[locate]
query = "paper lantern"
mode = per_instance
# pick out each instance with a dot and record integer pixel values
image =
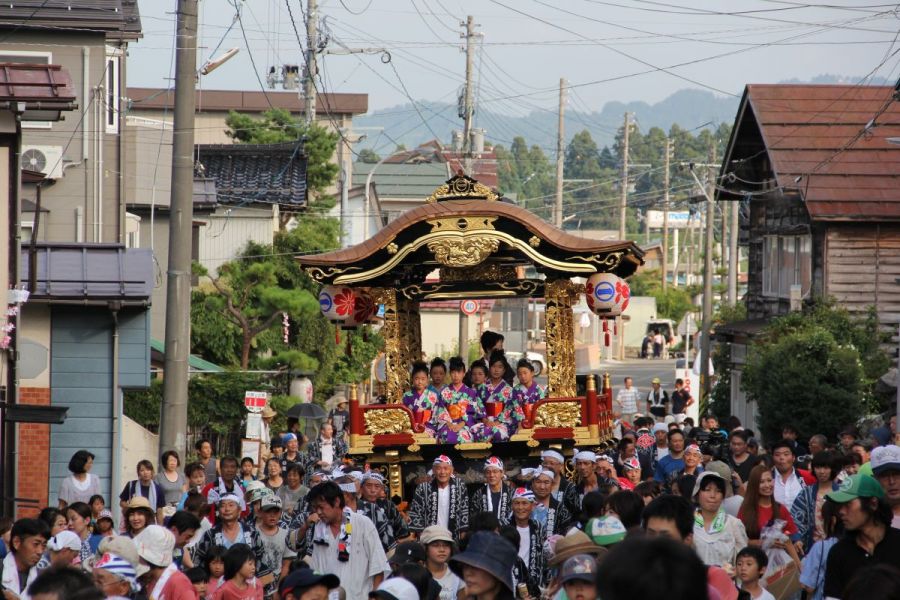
(607, 295)
(364, 309)
(337, 303)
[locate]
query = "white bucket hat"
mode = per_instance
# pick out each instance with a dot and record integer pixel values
(155, 545)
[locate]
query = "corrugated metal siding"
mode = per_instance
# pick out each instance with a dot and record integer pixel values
(862, 267)
(134, 349)
(81, 378)
(225, 235)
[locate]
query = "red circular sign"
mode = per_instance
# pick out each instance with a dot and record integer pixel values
(469, 307)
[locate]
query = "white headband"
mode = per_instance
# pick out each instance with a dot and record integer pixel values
(553, 454)
(586, 455)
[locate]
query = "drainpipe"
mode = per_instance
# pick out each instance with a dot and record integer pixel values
(120, 119)
(116, 457)
(101, 136)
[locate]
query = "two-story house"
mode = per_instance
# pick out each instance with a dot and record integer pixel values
(83, 336)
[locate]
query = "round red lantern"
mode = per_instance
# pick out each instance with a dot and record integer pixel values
(607, 295)
(337, 303)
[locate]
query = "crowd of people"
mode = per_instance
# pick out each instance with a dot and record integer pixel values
(674, 510)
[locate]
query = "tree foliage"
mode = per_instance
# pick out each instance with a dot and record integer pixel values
(367, 155)
(673, 303)
(815, 369)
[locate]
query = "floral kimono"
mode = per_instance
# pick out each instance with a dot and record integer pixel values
(458, 407)
(417, 402)
(524, 396)
(499, 429)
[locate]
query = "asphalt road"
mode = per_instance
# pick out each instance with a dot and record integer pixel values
(642, 371)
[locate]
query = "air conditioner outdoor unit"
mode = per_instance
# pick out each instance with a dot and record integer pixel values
(44, 159)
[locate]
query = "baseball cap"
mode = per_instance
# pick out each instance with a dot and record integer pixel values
(64, 539)
(581, 567)
(856, 486)
(435, 533)
(605, 531)
(408, 552)
(300, 579)
(269, 502)
(395, 588)
(655, 380)
(885, 458)
(105, 514)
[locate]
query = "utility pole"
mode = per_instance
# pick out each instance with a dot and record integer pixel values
(708, 276)
(312, 42)
(173, 411)
(733, 257)
(560, 154)
(469, 102)
(665, 245)
(624, 183)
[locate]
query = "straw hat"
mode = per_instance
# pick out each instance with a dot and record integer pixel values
(573, 544)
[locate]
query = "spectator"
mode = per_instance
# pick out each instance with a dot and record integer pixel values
(788, 479)
(486, 567)
(63, 548)
(247, 466)
(170, 479)
(626, 404)
(115, 576)
(293, 489)
(137, 516)
(304, 584)
(277, 556)
(240, 576)
(717, 535)
(210, 463)
(274, 477)
(145, 487)
(751, 566)
(886, 468)
(81, 484)
(79, 516)
(741, 461)
(674, 460)
(812, 573)
(28, 541)
(438, 542)
(63, 583)
(154, 547)
(652, 568)
(760, 510)
(807, 507)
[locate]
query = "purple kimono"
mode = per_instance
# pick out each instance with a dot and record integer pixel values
(498, 429)
(417, 402)
(458, 407)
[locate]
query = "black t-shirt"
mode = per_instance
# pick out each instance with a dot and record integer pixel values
(745, 467)
(679, 400)
(847, 557)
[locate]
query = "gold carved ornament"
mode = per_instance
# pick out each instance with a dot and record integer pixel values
(388, 420)
(560, 333)
(558, 414)
(461, 187)
(463, 252)
(489, 272)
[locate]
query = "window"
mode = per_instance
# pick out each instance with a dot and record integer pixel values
(787, 261)
(19, 57)
(111, 90)
(26, 230)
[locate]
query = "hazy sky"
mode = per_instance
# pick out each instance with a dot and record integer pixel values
(636, 46)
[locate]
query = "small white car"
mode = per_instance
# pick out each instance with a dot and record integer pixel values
(536, 359)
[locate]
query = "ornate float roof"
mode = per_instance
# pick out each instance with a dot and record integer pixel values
(472, 235)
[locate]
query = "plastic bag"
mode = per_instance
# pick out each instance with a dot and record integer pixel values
(778, 558)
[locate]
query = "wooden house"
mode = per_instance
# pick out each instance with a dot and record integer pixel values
(817, 171)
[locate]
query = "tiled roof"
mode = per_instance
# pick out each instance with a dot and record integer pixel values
(811, 135)
(115, 18)
(413, 181)
(256, 173)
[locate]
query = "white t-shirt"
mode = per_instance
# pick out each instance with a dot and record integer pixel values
(450, 585)
(443, 513)
(661, 453)
(764, 594)
(524, 542)
(327, 453)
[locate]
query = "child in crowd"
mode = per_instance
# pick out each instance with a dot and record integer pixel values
(215, 568)
(751, 564)
(196, 480)
(105, 527)
(199, 579)
(438, 542)
(247, 466)
(240, 576)
(98, 505)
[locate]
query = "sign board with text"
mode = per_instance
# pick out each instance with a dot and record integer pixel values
(469, 307)
(677, 220)
(256, 401)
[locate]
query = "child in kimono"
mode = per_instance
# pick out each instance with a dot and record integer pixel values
(421, 397)
(527, 392)
(499, 428)
(458, 412)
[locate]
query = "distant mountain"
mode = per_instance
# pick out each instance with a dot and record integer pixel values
(689, 108)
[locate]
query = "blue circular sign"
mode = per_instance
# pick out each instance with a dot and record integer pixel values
(604, 291)
(325, 302)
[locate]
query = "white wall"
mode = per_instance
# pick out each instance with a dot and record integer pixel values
(229, 229)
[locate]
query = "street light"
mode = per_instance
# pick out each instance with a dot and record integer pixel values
(416, 152)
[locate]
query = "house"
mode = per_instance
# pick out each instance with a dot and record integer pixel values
(83, 335)
(227, 215)
(820, 181)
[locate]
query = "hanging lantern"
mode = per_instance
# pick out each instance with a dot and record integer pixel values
(337, 303)
(607, 295)
(364, 309)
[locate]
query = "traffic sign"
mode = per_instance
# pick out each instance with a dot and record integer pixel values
(468, 307)
(255, 401)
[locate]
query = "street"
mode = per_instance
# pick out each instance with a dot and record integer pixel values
(642, 371)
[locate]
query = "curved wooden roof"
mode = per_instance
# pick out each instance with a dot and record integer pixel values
(409, 246)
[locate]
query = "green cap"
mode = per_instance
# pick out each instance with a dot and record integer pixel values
(856, 486)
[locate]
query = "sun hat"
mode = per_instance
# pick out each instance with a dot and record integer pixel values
(885, 458)
(435, 533)
(303, 578)
(574, 543)
(606, 530)
(270, 501)
(490, 552)
(581, 567)
(553, 454)
(124, 547)
(698, 485)
(137, 502)
(724, 471)
(268, 412)
(632, 464)
(522, 493)
(155, 545)
(856, 486)
(493, 463)
(119, 567)
(64, 539)
(408, 552)
(395, 588)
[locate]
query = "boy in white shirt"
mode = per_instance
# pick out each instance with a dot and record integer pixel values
(751, 565)
(438, 542)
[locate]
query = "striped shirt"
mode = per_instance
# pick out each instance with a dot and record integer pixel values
(627, 400)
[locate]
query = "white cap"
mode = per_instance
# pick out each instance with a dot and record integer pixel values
(64, 539)
(399, 588)
(155, 545)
